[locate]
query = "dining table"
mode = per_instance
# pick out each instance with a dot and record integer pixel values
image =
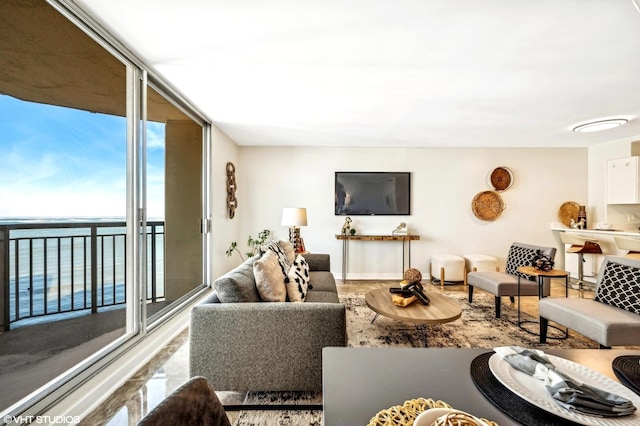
(360, 382)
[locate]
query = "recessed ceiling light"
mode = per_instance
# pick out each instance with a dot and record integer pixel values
(598, 125)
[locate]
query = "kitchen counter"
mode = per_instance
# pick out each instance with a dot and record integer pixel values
(592, 262)
(612, 232)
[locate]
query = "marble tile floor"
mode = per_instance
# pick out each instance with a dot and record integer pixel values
(170, 368)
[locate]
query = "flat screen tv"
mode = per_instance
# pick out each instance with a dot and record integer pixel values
(372, 193)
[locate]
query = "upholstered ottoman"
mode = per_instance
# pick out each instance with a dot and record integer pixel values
(449, 267)
(478, 263)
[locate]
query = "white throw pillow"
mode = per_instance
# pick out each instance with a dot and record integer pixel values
(269, 278)
(298, 280)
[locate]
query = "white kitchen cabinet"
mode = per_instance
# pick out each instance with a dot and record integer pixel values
(623, 181)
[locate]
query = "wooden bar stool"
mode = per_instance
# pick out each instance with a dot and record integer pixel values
(631, 245)
(580, 245)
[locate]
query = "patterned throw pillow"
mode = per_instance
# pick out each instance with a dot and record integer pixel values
(288, 249)
(520, 256)
(281, 255)
(269, 279)
(620, 287)
(298, 280)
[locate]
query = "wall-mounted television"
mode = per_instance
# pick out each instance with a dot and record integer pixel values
(372, 193)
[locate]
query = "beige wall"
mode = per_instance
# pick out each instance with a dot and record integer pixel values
(444, 182)
(223, 229)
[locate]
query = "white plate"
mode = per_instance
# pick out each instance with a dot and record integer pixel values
(427, 417)
(533, 390)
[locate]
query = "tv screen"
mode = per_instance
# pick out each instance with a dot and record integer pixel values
(372, 193)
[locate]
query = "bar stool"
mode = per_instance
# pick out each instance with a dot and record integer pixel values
(580, 246)
(631, 245)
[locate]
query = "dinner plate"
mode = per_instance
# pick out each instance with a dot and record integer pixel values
(426, 418)
(533, 390)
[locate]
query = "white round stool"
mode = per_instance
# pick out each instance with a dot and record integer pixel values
(449, 267)
(478, 262)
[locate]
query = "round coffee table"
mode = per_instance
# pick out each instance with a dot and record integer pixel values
(442, 309)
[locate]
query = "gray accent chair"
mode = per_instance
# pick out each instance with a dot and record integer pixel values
(506, 283)
(604, 323)
(266, 346)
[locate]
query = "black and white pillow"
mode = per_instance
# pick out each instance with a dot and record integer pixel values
(620, 287)
(520, 256)
(281, 255)
(298, 284)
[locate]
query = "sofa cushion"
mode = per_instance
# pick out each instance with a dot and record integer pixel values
(298, 280)
(269, 278)
(314, 296)
(620, 287)
(281, 255)
(239, 284)
(520, 256)
(288, 249)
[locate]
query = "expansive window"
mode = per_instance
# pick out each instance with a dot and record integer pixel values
(95, 209)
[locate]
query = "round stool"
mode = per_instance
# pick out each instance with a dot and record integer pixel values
(450, 267)
(580, 246)
(479, 262)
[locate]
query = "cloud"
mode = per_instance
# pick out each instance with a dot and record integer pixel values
(60, 162)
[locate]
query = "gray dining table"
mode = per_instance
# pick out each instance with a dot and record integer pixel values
(359, 382)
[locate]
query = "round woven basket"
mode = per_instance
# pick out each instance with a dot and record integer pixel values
(487, 205)
(567, 211)
(501, 178)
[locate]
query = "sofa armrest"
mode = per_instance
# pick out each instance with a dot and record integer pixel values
(264, 346)
(318, 261)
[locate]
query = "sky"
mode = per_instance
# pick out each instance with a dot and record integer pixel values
(62, 162)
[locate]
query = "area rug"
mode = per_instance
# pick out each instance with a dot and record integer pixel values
(476, 328)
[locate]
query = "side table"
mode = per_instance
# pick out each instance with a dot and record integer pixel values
(540, 276)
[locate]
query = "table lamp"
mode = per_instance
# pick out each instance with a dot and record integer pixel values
(294, 217)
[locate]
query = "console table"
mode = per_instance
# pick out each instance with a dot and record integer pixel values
(405, 239)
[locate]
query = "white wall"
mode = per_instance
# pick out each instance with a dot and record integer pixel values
(444, 182)
(224, 230)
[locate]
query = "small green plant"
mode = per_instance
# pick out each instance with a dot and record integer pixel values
(253, 244)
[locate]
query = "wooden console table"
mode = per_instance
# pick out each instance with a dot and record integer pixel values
(404, 238)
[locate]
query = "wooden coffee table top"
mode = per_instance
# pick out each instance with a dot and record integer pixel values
(442, 309)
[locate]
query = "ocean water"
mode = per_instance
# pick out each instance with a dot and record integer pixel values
(50, 268)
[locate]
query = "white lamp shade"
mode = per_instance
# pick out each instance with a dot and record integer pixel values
(294, 216)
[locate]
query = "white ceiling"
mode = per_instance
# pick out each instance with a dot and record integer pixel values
(408, 73)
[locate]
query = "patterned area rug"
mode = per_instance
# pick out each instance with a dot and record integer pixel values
(477, 328)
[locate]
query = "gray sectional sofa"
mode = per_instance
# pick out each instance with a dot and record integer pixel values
(240, 343)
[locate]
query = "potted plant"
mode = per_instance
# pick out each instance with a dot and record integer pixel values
(252, 243)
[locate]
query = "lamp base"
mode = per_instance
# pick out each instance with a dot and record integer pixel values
(294, 238)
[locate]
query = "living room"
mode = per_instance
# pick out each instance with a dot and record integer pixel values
(445, 178)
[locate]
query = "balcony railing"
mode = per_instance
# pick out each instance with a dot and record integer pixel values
(56, 268)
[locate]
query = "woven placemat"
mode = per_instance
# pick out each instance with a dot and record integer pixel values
(508, 402)
(627, 370)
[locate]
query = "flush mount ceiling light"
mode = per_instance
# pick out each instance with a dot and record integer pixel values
(598, 125)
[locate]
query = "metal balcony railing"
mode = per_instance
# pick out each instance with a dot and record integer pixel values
(61, 267)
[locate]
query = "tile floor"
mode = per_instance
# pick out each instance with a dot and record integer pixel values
(170, 369)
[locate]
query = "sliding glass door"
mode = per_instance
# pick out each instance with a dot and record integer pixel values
(100, 204)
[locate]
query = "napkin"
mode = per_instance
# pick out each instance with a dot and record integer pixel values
(565, 390)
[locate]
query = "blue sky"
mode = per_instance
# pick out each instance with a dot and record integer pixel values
(62, 162)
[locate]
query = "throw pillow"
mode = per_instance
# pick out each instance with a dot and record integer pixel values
(284, 263)
(269, 278)
(520, 256)
(288, 250)
(620, 287)
(298, 280)
(239, 284)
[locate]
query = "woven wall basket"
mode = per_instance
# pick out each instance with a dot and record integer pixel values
(487, 205)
